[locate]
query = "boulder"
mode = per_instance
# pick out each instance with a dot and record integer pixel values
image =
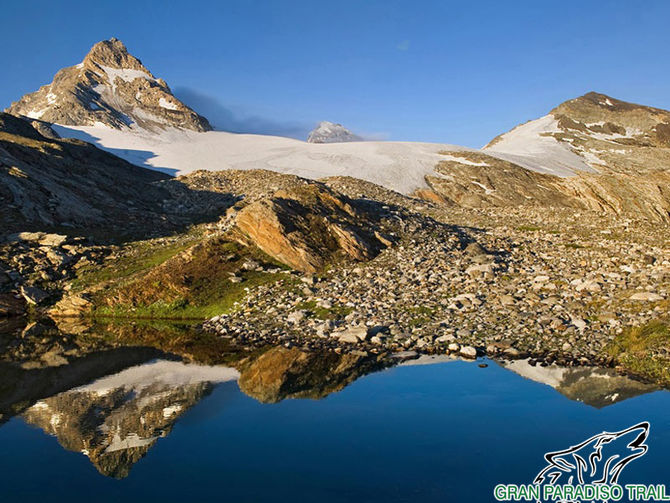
(295, 316)
(53, 240)
(476, 271)
(308, 226)
(468, 352)
(474, 249)
(353, 335)
(71, 306)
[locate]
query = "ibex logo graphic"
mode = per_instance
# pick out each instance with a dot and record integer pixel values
(597, 460)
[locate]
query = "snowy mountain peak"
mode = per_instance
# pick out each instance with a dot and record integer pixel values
(112, 88)
(330, 132)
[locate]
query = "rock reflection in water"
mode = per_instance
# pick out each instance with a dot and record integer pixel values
(282, 373)
(117, 419)
(594, 386)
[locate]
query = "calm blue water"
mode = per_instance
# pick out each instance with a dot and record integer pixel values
(435, 433)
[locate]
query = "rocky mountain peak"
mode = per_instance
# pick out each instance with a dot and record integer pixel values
(330, 132)
(113, 53)
(591, 133)
(111, 88)
(605, 119)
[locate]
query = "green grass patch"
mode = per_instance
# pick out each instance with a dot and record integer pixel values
(528, 228)
(645, 351)
(212, 300)
(336, 312)
(420, 315)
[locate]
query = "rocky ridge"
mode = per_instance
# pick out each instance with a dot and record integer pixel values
(310, 226)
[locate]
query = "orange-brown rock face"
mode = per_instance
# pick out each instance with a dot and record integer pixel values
(306, 227)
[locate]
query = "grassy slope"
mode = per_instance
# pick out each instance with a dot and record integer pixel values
(185, 279)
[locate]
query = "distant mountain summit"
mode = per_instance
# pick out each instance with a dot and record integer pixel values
(109, 87)
(329, 132)
(595, 133)
(592, 152)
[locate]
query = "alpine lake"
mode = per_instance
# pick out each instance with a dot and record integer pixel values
(144, 412)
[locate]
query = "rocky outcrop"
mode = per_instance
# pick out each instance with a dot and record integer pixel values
(109, 87)
(72, 306)
(477, 180)
(309, 226)
(330, 132)
(33, 263)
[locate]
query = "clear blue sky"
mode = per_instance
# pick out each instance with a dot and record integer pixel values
(455, 72)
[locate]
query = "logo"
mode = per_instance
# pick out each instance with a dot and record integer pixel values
(597, 460)
(589, 471)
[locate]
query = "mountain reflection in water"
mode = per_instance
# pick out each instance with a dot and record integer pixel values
(114, 404)
(117, 419)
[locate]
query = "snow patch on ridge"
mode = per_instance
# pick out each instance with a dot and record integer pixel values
(166, 104)
(125, 74)
(531, 146)
(131, 441)
(462, 160)
(36, 114)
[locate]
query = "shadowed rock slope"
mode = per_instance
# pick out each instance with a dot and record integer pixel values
(51, 183)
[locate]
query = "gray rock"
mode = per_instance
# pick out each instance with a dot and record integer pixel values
(295, 316)
(480, 270)
(474, 249)
(53, 240)
(353, 334)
